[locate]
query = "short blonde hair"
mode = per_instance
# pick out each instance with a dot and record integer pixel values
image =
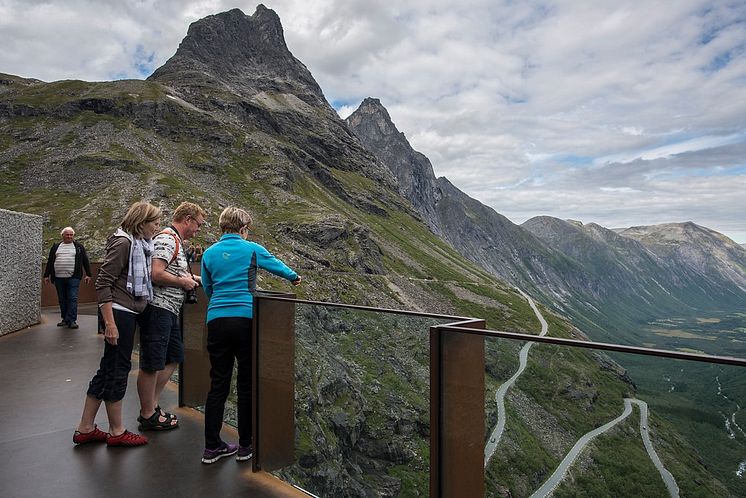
(138, 215)
(187, 209)
(233, 219)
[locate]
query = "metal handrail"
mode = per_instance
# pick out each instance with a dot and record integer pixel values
(516, 336)
(370, 308)
(620, 348)
(448, 350)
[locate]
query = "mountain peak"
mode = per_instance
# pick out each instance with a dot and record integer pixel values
(374, 117)
(372, 104)
(414, 173)
(233, 35)
(242, 54)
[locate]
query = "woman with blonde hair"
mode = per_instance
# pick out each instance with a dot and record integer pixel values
(123, 290)
(229, 277)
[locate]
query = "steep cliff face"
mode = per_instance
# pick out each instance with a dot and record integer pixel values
(475, 230)
(239, 54)
(238, 67)
(414, 173)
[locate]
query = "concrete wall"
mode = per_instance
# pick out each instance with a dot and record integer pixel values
(20, 270)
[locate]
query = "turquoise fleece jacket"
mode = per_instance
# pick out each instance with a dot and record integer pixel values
(229, 275)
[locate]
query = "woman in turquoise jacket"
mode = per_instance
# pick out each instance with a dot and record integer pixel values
(229, 277)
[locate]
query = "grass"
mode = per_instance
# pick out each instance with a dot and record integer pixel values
(61, 92)
(686, 407)
(38, 200)
(615, 457)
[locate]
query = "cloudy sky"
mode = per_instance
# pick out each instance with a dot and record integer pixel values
(619, 113)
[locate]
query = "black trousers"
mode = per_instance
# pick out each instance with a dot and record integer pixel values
(110, 381)
(228, 338)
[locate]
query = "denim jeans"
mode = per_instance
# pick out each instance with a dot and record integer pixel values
(67, 295)
(228, 338)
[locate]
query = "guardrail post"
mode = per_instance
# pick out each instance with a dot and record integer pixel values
(194, 373)
(273, 382)
(457, 406)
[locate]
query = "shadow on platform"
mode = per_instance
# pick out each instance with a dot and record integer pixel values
(44, 374)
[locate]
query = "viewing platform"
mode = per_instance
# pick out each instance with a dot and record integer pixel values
(45, 372)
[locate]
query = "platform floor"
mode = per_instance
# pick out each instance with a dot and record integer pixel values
(44, 373)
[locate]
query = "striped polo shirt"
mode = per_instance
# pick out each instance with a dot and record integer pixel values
(64, 260)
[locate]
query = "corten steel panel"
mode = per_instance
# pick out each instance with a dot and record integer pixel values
(87, 293)
(274, 383)
(457, 413)
(194, 373)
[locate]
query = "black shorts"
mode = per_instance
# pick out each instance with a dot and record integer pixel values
(160, 341)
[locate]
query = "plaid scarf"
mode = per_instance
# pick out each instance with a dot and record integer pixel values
(138, 273)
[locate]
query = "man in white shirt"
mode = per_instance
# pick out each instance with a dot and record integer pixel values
(65, 265)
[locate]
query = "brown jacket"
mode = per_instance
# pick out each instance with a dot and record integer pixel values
(111, 283)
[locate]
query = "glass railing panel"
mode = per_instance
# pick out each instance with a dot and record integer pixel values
(580, 422)
(194, 374)
(361, 403)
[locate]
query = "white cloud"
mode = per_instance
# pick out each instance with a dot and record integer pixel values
(536, 107)
(693, 145)
(346, 110)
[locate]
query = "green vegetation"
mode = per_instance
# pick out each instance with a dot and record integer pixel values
(614, 458)
(61, 92)
(38, 200)
(684, 403)
(516, 466)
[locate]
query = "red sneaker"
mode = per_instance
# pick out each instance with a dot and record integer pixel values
(95, 436)
(126, 438)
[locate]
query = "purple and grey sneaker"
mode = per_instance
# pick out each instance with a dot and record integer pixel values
(245, 453)
(212, 456)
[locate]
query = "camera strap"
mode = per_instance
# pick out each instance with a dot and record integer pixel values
(173, 232)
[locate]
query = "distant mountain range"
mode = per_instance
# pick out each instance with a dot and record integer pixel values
(609, 282)
(234, 118)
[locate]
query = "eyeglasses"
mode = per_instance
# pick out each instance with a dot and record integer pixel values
(199, 224)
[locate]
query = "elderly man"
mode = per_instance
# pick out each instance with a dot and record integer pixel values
(65, 265)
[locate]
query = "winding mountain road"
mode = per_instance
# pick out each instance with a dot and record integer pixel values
(559, 473)
(668, 479)
(572, 455)
(561, 470)
(497, 432)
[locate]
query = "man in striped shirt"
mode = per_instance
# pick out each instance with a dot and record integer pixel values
(161, 343)
(65, 265)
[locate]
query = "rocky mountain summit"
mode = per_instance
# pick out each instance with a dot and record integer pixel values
(238, 66)
(475, 230)
(414, 173)
(241, 55)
